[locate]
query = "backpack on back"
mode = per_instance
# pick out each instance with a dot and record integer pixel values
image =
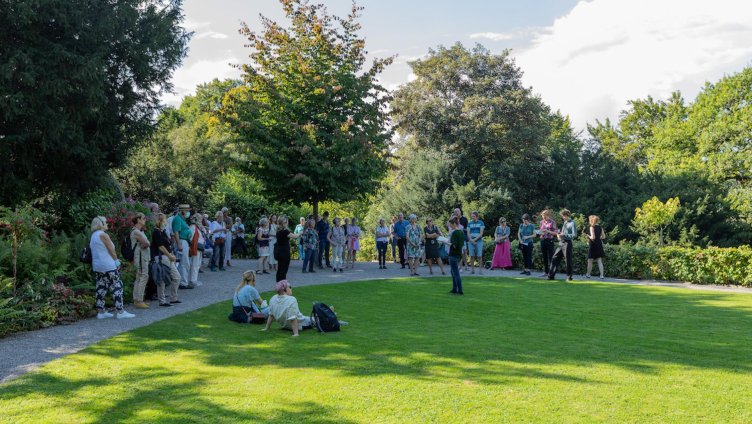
(126, 249)
(324, 319)
(86, 255)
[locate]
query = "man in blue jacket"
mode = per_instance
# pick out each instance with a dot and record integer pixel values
(400, 234)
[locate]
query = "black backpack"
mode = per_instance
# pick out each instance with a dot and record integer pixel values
(324, 319)
(126, 249)
(86, 255)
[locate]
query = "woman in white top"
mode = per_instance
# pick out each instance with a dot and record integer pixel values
(382, 234)
(262, 245)
(336, 237)
(272, 241)
(283, 307)
(194, 253)
(105, 264)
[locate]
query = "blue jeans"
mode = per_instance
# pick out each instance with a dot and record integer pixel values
(475, 250)
(301, 251)
(218, 253)
(381, 248)
(310, 258)
(454, 267)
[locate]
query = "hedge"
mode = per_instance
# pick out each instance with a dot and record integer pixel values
(712, 265)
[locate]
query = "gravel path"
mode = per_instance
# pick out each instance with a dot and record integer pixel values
(25, 352)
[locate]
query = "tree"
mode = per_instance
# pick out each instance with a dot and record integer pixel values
(655, 215)
(471, 106)
(185, 156)
(80, 82)
(311, 124)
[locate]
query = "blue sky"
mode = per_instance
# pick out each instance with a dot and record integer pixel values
(585, 58)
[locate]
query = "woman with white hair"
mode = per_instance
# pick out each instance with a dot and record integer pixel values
(298, 231)
(105, 263)
(337, 240)
(262, 242)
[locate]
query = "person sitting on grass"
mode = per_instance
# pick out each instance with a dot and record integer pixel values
(283, 307)
(247, 300)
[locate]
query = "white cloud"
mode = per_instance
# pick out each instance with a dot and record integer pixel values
(494, 36)
(211, 34)
(192, 25)
(510, 35)
(190, 75)
(590, 62)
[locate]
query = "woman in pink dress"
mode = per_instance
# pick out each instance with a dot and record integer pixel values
(353, 236)
(502, 258)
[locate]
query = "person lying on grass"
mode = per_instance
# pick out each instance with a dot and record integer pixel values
(247, 300)
(283, 307)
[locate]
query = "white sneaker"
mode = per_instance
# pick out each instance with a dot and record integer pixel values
(197, 283)
(103, 315)
(125, 314)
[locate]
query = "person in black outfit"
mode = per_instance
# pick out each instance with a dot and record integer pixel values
(282, 248)
(595, 245)
(322, 227)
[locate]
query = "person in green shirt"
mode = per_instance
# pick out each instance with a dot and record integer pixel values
(457, 241)
(181, 234)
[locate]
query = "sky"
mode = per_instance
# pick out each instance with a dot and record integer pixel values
(586, 59)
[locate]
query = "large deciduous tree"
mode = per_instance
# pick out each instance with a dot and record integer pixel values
(311, 119)
(471, 106)
(80, 82)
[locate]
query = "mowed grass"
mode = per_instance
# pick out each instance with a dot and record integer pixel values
(510, 350)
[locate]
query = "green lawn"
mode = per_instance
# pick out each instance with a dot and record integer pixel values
(508, 351)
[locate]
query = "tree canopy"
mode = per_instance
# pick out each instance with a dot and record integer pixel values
(80, 82)
(310, 119)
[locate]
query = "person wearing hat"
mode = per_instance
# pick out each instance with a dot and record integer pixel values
(181, 235)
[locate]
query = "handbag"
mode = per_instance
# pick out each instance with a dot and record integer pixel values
(253, 316)
(159, 272)
(219, 241)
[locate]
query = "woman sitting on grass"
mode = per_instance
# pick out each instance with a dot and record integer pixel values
(247, 300)
(283, 307)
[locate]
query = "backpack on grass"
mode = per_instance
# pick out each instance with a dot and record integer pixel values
(324, 319)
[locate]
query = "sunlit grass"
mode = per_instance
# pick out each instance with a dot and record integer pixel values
(508, 351)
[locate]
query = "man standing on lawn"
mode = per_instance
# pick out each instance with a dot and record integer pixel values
(457, 242)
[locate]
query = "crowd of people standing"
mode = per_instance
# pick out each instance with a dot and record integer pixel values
(181, 240)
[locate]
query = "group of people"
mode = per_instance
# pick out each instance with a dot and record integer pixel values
(319, 239)
(177, 242)
(556, 245)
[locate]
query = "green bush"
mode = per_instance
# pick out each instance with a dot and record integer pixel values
(713, 265)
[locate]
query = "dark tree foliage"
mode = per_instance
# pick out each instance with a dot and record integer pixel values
(502, 145)
(311, 121)
(80, 82)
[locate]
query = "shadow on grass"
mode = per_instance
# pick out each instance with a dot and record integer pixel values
(502, 332)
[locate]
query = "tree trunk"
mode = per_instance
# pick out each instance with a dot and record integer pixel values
(316, 209)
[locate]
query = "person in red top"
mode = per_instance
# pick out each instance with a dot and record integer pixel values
(547, 230)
